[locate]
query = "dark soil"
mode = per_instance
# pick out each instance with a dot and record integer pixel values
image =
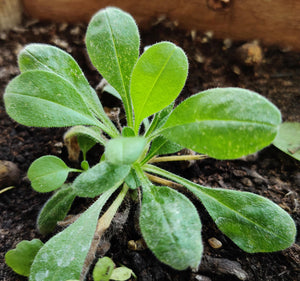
(213, 63)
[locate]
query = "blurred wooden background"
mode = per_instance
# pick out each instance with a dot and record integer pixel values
(271, 21)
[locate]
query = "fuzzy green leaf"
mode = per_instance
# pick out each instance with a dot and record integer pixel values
(65, 253)
(48, 173)
(124, 150)
(93, 133)
(43, 99)
(52, 59)
(224, 123)
(121, 273)
(103, 269)
(288, 139)
(55, 209)
(157, 79)
(100, 178)
(253, 222)
(171, 227)
(20, 259)
(113, 42)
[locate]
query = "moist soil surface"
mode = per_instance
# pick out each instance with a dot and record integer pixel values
(213, 63)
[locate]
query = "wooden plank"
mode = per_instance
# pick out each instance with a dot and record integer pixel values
(271, 21)
(10, 13)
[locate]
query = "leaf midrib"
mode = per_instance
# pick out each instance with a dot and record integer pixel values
(154, 84)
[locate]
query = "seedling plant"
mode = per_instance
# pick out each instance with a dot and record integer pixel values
(223, 123)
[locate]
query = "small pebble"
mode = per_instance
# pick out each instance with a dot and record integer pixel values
(250, 54)
(215, 243)
(9, 173)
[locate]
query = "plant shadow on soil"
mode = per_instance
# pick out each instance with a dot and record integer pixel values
(270, 173)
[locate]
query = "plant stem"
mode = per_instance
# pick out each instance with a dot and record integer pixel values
(6, 189)
(102, 225)
(163, 181)
(177, 158)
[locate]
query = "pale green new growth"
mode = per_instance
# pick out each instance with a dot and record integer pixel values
(224, 123)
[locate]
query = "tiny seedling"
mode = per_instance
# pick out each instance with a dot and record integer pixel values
(223, 123)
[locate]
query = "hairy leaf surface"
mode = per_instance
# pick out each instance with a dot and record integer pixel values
(288, 139)
(43, 99)
(253, 222)
(55, 209)
(65, 253)
(113, 42)
(157, 79)
(171, 227)
(48, 173)
(124, 150)
(52, 59)
(20, 259)
(100, 178)
(224, 123)
(94, 133)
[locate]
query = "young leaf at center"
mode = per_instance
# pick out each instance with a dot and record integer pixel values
(157, 79)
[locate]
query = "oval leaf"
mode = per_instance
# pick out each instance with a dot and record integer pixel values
(113, 42)
(55, 209)
(21, 258)
(63, 256)
(157, 79)
(100, 178)
(253, 222)
(52, 59)
(124, 150)
(48, 173)
(94, 133)
(171, 227)
(43, 99)
(288, 139)
(103, 269)
(224, 123)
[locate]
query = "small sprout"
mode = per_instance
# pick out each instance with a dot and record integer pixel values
(21, 258)
(224, 123)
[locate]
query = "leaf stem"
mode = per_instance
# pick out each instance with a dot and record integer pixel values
(163, 181)
(177, 158)
(102, 225)
(6, 189)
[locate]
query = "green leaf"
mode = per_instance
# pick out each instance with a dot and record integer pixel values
(21, 258)
(157, 79)
(48, 173)
(55, 209)
(121, 273)
(128, 132)
(224, 123)
(85, 143)
(65, 253)
(52, 59)
(132, 180)
(171, 227)
(111, 90)
(113, 42)
(124, 150)
(93, 133)
(43, 99)
(288, 139)
(100, 178)
(253, 222)
(103, 269)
